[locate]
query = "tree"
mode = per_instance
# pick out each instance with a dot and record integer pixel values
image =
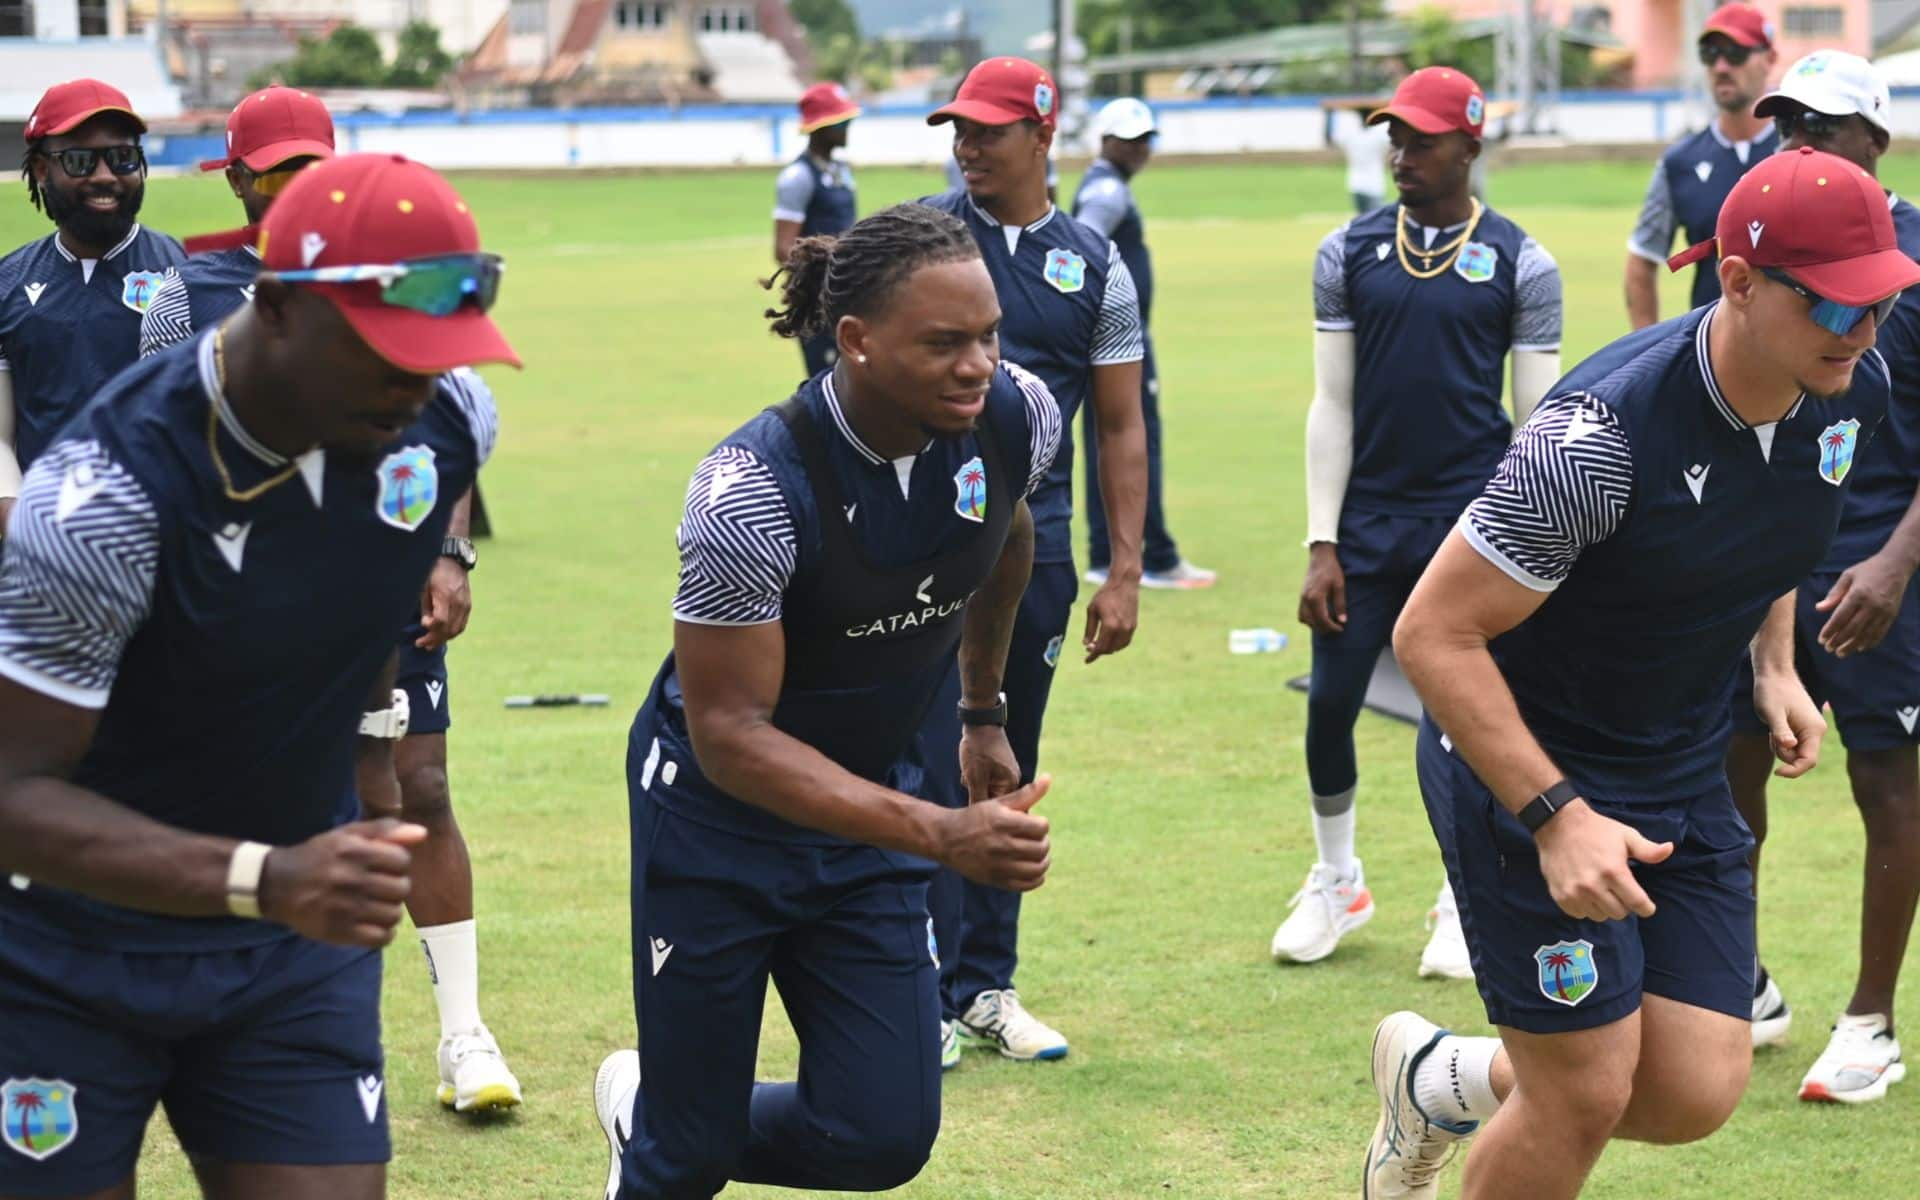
(824, 20)
(418, 60)
(347, 57)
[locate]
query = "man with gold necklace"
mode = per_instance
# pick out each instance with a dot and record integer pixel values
(1416, 308)
(195, 910)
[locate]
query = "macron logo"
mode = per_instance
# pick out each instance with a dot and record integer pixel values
(1579, 427)
(661, 948)
(723, 478)
(370, 1088)
(33, 291)
(1697, 480)
(1754, 230)
(1907, 717)
(79, 486)
(232, 543)
(1381, 251)
(1703, 170)
(311, 244)
(434, 688)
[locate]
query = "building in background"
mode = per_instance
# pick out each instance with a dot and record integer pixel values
(43, 42)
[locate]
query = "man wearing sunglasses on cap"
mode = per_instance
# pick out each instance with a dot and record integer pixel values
(71, 302)
(197, 909)
(1857, 623)
(271, 136)
(1576, 642)
(1693, 177)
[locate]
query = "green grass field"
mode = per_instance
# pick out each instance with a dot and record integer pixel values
(1179, 805)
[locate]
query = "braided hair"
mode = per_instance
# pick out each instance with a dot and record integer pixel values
(26, 171)
(853, 274)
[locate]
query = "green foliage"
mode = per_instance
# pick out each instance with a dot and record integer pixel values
(824, 20)
(1161, 23)
(860, 65)
(350, 57)
(1437, 42)
(418, 59)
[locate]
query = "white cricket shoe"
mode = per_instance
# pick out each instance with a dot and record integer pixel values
(1446, 952)
(1183, 576)
(1408, 1147)
(473, 1075)
(1325, 909)
(997, 1018)
(1860, 1062)
(949, 1045)
(1771, 1016)
(614, 1087)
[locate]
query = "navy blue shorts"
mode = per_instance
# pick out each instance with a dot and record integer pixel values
(422, 675)
(1382, 557)
(265, 1054)
(1040, 637)
(1540, 970)
(1875, 696)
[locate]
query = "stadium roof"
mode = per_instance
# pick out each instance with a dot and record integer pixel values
(1308, 43)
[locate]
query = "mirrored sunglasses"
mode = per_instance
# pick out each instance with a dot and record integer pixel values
(1832, 315)
(79, 162)
(437, 286)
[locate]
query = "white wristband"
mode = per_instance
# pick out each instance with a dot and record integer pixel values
(243, 878)
(389, 723)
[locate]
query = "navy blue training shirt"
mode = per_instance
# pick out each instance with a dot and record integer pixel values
(1690, 183)
(1664, 526)
(1428, 428)
(229, 647)
(819, 195)
(69, 325)
(1067, 306)
(197, 295)
(1105, 202)
(751, 536)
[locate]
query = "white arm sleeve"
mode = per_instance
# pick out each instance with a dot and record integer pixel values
(1329, 433)
(1534, 371)
(9, 461)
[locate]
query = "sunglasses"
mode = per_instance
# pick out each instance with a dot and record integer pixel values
(436, 286)
(1831, 315)
(1815, 126)
(1735, 54)
(272, 183)
(79, 162)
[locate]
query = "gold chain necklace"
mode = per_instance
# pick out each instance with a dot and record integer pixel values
(1404, 245)
(213, 426)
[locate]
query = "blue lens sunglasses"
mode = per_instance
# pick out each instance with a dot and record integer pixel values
(1831, 315)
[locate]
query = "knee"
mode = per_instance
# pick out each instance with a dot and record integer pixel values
(1588, 1113)
(887, 1158)
(424, 795)
(1691, 1116)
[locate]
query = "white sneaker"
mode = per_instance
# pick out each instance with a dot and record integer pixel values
(1771, 1016)
(1097, 576)
(1325, 909)
(1408, 1147)
(1446, 953)
(949, 1045)
(997, 1018)
(614, 1086)
(473, 1075)
(1183, 577)
(1860, 1062)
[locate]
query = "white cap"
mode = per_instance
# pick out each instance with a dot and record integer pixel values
(1125, 118)
(1835, 83)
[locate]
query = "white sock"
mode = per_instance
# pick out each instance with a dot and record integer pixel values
(1333, 832)
(453, 963)
(1455, 1081)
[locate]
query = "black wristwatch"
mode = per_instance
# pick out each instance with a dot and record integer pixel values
(1541, 808)
(460, 550)
(997, 715)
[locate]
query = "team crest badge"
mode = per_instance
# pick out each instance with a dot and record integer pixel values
(1476, 262)
(1065, 270)
(1567, 972)
(1042, 99)
(933, 945)
(1836, 450)
(1476, 108)
(137, 289)
(37, 1116)
(409, 485)
(970, 490)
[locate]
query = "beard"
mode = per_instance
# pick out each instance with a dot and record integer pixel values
(69, 210)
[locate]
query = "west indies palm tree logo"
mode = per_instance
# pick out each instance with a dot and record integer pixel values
(37, 1116)
(138, 287)
(409, 485)
(1567, 971)
(1836, 450)
(970, 490)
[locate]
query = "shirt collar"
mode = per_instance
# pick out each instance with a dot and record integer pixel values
(70, 256)
(210, 381)
(1719, 399)
(994, 221)
(1713, 127)
(845, 426)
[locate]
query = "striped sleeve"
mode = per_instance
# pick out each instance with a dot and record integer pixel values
(738, 543)
(792, 192)
(83, 548)
(475, 399)
(1043, 423)
(1536, 299)
(1119, 336)
(168, 320)
(1652, 237)
(1331, 313)
(1564, 485)
(1102, 205)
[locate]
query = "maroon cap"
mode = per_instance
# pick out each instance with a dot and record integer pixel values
(825, 104)
(273, 125)
(1437, 100)
(375, 210)
(1743, 23)
(1001, 91)
(68, 104)
(1818, 216)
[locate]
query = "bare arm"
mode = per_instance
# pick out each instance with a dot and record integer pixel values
(785, 234)
(446, 603)
(373, 771)
(1643, 292)
(1867, 597)
(1647, 249)
(1795, 727)
(987, 629)
(1114, 612)
(9, 461)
